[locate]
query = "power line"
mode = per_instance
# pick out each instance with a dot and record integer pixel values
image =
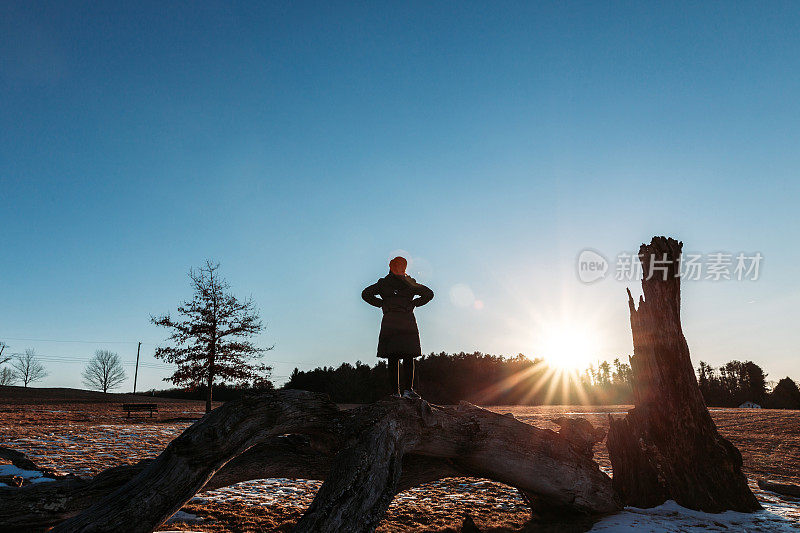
(67, 340)
(146, 364)
(80, 359)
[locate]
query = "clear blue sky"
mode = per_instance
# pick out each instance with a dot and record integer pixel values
(302, 144)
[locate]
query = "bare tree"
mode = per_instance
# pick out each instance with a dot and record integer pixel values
(7, 376)
(211, 337)
(104, 371)
(27, 368)
(4, 358)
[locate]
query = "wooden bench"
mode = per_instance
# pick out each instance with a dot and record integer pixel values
(136, 407)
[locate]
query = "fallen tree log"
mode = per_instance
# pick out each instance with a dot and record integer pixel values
(784, 489)
(667, 447)
(366, 455)
(544, 465)
(40, 506)
(17, 459)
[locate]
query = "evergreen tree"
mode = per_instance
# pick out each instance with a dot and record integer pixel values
(785, 395)
(210, 340)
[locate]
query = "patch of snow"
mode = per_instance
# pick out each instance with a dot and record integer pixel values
(182, 516)
(40, 479)
(672, 518)
(596, 413)
(34, 476)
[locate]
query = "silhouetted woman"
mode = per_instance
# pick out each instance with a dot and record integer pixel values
(399, 337)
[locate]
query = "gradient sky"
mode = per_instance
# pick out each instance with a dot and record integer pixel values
(302, 145)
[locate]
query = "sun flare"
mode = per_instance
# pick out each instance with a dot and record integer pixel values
(570, 348)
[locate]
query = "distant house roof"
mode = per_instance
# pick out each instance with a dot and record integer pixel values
(749, 405)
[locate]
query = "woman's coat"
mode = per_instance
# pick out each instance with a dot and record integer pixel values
(395, 295)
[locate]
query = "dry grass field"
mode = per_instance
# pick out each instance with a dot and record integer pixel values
(84, 432)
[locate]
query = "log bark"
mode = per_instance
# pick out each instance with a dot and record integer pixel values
(366, 455)
(667, 447)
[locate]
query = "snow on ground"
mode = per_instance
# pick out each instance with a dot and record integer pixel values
(85, 447)
(780, 514)
(264, 492)
(671, 517)
(454, 495)
(182, 516)
(33, 476)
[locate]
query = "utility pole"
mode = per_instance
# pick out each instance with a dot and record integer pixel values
(136, 372)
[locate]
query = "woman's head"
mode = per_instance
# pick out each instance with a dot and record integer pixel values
(398, 266)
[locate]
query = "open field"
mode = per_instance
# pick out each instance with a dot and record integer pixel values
(83, 433)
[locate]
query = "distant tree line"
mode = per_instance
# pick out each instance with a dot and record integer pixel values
(492, 379)
(222, 392)
(441, 378)
(736, 382)
(785, 395)
(475, 377)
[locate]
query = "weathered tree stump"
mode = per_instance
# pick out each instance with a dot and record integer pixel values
(667, 447)
(365, 455)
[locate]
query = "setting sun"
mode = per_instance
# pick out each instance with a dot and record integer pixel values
(568, 347)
